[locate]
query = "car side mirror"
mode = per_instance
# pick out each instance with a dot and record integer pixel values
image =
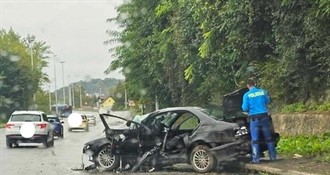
(128, 123)
(62, 121)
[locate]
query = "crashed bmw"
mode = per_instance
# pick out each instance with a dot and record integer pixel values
(169, 136)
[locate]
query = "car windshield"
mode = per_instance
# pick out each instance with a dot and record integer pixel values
(25, 118)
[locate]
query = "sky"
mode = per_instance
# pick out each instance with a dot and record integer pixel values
(74, 29)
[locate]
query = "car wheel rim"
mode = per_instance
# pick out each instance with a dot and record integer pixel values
(201, 159)
(105, 158)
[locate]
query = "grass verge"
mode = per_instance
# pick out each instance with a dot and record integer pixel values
(309, 146)
(2, 125)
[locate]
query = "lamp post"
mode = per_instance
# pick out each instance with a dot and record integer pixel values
(69, 87)
(62, 62)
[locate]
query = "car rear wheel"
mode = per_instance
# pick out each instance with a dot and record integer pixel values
(46, 143)
(202, 160)
(62, 133)
(9, 144)
(105, 160)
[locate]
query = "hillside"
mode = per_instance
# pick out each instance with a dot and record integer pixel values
(94, 86)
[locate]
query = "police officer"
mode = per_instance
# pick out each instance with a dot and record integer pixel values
(255, 103)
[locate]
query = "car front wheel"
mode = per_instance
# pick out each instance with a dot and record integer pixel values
(105, 160)
(202, 160)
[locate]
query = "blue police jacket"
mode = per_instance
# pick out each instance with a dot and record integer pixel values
(255, 101)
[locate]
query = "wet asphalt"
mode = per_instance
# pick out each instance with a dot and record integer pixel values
(66, 158)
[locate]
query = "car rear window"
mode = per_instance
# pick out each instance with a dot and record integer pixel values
(56, 119)
(25, 118)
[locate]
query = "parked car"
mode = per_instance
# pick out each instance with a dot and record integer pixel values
(91, 119)
(84, 124)
(173, 135)
(57, 124)
(43, 133)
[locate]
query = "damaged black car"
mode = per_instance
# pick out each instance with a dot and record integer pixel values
(169, 136)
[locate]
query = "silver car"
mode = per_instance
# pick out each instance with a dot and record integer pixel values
(42, 130)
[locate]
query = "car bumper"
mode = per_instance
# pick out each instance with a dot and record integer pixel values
(20, 139)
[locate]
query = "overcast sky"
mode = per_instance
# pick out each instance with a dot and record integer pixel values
(75, 30)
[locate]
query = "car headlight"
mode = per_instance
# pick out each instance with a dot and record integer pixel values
(86, 147)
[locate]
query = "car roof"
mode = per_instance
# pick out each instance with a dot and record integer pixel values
(28, 112)
(198, 111)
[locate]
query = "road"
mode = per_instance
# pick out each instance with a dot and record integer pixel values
(63, 157)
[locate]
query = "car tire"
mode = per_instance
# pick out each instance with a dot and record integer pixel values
(103, 161)
(45, 142)
(51, 143)
(70, 130)
(9, 144)
(62, 133)
(201, 159)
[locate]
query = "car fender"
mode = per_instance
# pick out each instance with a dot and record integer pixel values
(96, 144)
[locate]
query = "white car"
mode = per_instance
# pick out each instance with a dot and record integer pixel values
(41, 131)
(91, 118)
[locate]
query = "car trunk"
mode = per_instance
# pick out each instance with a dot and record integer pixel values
(232, 102)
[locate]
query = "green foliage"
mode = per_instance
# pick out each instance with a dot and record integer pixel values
(19, 77)
(296, 107)
(300, 107)
(193, 52)
(305, 145)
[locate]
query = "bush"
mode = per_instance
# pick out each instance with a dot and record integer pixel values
(318, 145)
(312, 107)
(295, 107)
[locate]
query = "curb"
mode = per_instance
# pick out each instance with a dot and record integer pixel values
(272, 170)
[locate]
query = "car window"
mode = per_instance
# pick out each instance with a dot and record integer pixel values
(44, 117)
(189, 120)
(25, 118)
(191, 123)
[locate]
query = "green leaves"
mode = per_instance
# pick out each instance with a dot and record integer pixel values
(305, 145)
(207, 48)
(21, 75)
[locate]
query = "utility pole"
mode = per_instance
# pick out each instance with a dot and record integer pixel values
(56, 108)
(125, 99)
(31, 40)
(80, 97)
(50, 98)
(62, 62)
(69, 90)
(156, 102)
(73, 101)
